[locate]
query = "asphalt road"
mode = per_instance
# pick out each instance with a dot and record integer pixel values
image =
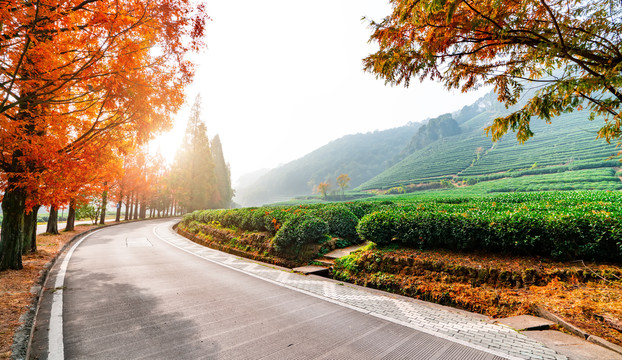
(128, 294)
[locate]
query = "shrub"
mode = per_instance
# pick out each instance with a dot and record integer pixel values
(564, 235)
(341, 222)
(298, 231)
(360, 208)
(379, 227)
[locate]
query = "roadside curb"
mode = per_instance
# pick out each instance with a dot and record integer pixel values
(22, 339)
(539, 311)
(577, 331)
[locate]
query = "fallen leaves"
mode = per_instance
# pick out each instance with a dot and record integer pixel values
(15, 285)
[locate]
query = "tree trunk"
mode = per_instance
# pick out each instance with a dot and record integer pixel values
(13, 206)
(28, 229)
(53, 221)
(128, 208)
(135, 206)
(118, 216)
(143, 208)
(102, 219)
(29, 244)
(119, 207)
(71, 216)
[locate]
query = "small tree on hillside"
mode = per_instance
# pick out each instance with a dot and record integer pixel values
(343, 181)
(323, 188)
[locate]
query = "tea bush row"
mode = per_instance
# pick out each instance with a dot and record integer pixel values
(558, 235)
(295, 226)
(563, 225)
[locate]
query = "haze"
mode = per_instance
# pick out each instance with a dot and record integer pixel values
(281, 78)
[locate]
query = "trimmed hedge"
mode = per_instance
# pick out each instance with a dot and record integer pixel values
(298, 231)
(589, 236)
(342, 218)
(571, 225)
(341, 222)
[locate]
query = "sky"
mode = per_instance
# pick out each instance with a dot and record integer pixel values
(281, 78)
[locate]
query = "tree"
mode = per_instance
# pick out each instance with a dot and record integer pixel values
(323, 188)
(223, 192)
(568, 49)
(193, 170)
(76, 75)
(343, 181)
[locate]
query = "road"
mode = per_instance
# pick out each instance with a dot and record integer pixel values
(140, 291)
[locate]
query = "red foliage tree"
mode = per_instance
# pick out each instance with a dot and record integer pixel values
(80, 77)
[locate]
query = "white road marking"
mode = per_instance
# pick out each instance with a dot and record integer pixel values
(482, 348)
(56, 347)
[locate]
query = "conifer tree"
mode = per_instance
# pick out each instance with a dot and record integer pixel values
(224, 193)
(193, 171)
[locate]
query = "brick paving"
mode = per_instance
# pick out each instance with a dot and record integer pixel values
(454, 325)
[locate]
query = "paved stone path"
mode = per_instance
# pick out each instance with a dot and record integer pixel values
(454, 325)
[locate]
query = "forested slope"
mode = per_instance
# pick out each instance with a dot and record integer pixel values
(361, 156)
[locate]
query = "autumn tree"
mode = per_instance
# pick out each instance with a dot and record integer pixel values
(94, 74)
(343, 182)
(323, 188)
(568, 50)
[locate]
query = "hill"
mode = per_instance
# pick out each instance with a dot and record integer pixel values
(567, 144)
(361, 156)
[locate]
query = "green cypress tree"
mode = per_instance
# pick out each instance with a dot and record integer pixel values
(193, 170)
(223, 192)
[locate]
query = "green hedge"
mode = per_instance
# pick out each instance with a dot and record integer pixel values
(298, 231)
(562, 225)
(341, 217)
(563, 236)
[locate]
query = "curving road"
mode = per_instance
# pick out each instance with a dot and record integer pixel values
(139, 291)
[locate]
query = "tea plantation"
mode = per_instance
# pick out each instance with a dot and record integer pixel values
(568, 144)
(571, 225)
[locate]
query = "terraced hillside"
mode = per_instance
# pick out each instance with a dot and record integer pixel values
(566, 145)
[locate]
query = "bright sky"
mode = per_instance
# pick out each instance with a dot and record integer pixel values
(281, 78)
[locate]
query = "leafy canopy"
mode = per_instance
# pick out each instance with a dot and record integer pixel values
(568, 50)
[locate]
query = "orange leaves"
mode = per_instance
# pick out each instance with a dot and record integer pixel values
(276, 224)
(81, 80)
(323, 188)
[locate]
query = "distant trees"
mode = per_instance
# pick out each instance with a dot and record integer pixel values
(223, 192)
(568, 49)
(343, 181)
(200, 174)
(437, 128)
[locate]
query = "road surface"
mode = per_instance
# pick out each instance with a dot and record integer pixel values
(140, 291)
